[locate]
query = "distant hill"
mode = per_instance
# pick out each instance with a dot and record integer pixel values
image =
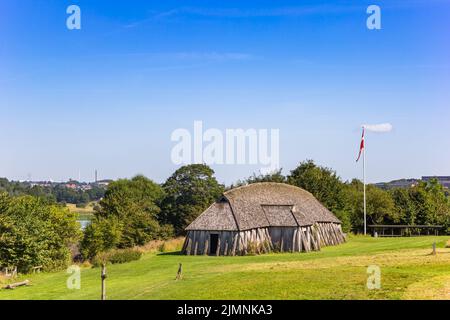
(401, 183)
(408, 183)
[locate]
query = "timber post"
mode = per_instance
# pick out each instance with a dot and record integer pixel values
(103, 276)
(17, 284)
(180, 272)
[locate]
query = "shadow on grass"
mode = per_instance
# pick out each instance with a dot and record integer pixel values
(174, 253)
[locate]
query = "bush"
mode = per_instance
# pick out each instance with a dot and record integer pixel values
(255, 248)
(126, 217)
(252, 248)
(116, 256)
(124, 256)
(344, 216)
(100, 236)
(166, 232)
(35, 233)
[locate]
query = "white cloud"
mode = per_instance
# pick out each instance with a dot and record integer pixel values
(382, 127)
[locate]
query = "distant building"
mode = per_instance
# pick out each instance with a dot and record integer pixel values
(444, 180)
(104, 183)
(403, 183)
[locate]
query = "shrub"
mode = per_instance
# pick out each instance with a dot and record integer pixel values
(33, 233)
(252, 248)
(255, 248)
(125, 255)
(266, 245)
(100, 236)
(166, 232)
(116, 256)
(345, 218)
(162, 247)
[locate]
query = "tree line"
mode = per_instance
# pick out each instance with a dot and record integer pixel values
(426, 203)
(138, 210)
(55, 193)
(135, 211)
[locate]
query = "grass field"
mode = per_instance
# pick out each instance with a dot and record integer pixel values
(86, 213)
(408, 271)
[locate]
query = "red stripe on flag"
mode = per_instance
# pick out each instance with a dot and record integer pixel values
(361, 147)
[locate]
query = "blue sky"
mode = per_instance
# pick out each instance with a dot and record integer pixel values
(109, 96)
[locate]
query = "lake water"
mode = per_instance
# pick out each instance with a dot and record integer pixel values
(84, 223)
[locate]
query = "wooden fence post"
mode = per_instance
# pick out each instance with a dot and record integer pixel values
(180, 272)
(103, 281)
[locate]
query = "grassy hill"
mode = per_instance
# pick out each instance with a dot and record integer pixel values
(408, 271)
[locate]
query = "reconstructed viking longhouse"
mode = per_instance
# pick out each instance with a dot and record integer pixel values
(263, 217)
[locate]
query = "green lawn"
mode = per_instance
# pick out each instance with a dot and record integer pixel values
(408, 271)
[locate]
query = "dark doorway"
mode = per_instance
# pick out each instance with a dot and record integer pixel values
(214, 241)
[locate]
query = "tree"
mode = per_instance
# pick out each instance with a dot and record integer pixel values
(404, 205)
(101, 235)
(35, 233)
(124, 196)
(189, 191)
(380, 205)
(127, 216)
(322, 182)
(275, 176)
(430, 203)
(440, 204)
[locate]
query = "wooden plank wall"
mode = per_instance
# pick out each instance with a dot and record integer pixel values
(284, 239)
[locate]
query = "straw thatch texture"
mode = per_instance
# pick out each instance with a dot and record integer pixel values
(217, 217)
(279, 216)
(247, 202)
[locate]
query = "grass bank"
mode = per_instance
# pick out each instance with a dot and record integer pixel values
(408, 271)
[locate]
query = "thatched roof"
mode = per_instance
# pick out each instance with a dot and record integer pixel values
(262, 205)
(217, 217)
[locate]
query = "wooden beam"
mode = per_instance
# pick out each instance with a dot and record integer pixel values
(17, 284)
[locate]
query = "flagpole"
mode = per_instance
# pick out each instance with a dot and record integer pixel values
(364, 182)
